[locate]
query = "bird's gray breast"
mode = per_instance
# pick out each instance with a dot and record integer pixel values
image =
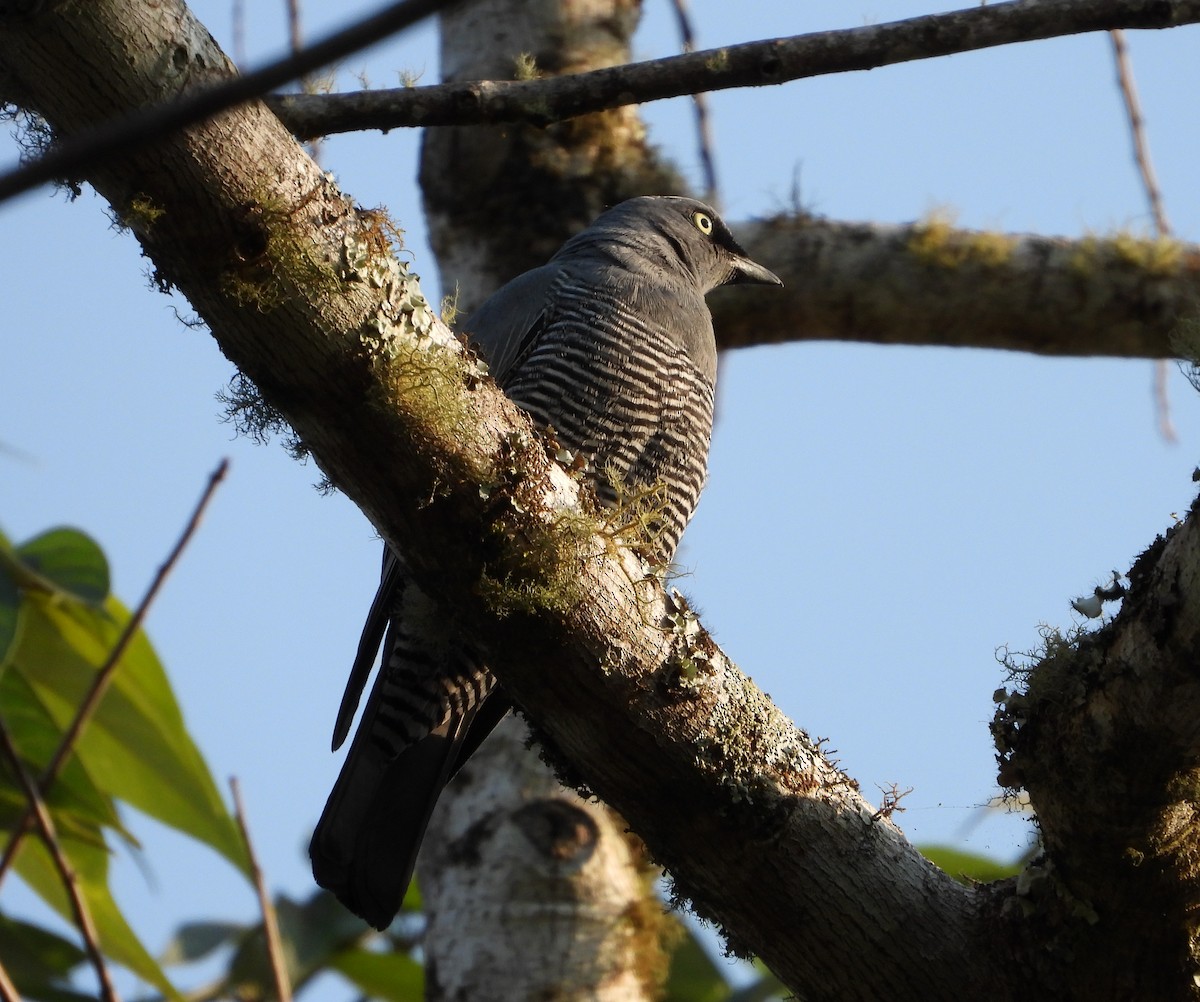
(613, 372)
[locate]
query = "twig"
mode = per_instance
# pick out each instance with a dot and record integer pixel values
(104, 675)
(8, 991)
(1162, 228)
(1137, 129)
(83, 916)
(751, 64)
(270, 922)
(239, 32)
(107, 139)
(700, 105)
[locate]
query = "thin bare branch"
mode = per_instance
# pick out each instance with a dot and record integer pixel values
(120, 137)
(1137, 129)
(108, 669)
(83, 915)
(708, 162)
(8, 991)
(283, 985)
(751, 64)
(1162, 228)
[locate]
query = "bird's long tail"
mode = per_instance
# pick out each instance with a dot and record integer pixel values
(431, 705)
(365, 845)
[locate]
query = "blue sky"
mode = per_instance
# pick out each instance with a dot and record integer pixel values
(878, 521)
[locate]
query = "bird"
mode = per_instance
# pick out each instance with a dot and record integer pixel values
(610, 344)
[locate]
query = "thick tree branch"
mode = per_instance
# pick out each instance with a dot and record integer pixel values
(751, 64)
(930, 284)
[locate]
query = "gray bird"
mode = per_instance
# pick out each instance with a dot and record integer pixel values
(611, 344)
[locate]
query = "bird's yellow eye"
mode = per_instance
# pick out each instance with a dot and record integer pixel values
(703, 222)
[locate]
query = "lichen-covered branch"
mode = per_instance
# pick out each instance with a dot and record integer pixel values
(929, 283)
(750, 64)
(1103, 730)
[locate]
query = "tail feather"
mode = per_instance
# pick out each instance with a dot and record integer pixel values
(365, 845)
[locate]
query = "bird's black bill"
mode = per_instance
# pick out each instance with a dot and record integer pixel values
(747, 272)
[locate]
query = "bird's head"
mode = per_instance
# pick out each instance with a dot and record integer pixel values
(681, 234)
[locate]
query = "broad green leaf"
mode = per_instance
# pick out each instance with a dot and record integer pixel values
(90, 862)
(71, 561)
(74, 797)
(10, 610)
(39, 961)
(693, 977)
(394, 976)
(312, 933)
(196, 940)
(136, 747)
(967, 867)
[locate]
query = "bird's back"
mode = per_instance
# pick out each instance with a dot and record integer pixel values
(617, 385)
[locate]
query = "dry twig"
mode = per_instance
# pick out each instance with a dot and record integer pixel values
(83, 915)
(708, 161)
(270, 922)
(1162, 228)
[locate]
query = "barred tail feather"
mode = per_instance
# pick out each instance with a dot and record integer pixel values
(365, 845)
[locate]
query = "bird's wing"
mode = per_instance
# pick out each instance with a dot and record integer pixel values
(368, 644)
(505, 324)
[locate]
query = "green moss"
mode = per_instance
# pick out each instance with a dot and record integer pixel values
(1158, 257)
(141, 214)
(536, 569)
(935, 241)
(525, 67)
(273, 257)
(718, 62)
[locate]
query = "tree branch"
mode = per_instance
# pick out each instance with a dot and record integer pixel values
(928, 283)
(751, 64)
(137, 127)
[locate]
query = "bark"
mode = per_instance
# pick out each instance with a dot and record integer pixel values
(533, 892)
(494, 97)
(633, 697)
(930, 284)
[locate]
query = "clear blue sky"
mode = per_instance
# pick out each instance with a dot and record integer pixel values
(877, 522)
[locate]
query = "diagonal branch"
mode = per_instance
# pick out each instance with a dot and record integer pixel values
(750, 64)
(133, 130)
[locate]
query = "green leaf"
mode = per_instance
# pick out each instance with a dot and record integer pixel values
(136, 746)
(394, 976)
(196, 940)
(70, 561)
(967, 867)
(74, 799)
(90, 862)
(312, 933)
(766, 987)
(693, 977)
(10, 613)
(39, 962)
